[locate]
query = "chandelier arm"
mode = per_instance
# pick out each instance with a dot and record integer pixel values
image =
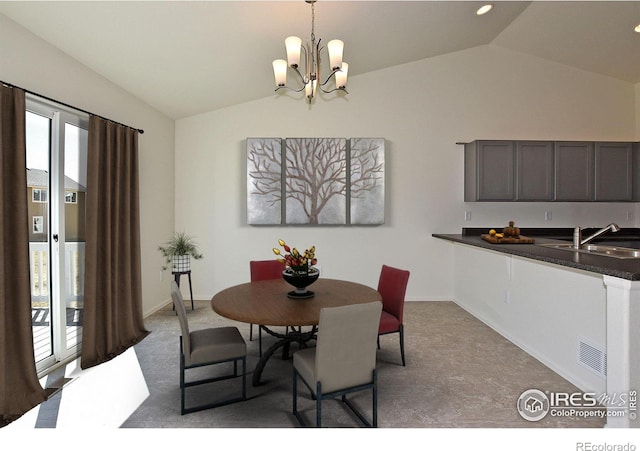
(329, 77)
(302, 77)
(297, 71)
(334, 89)
(290, 89)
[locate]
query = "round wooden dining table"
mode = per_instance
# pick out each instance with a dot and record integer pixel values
(266, 303)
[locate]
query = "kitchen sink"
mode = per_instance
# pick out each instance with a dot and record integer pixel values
(599, 249)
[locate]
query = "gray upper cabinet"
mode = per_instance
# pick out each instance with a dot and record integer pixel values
(564, 171)
(535, 175)
(489, 171)
(574, 167)
(614, 176)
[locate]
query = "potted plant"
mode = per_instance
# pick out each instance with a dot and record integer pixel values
(177, 252)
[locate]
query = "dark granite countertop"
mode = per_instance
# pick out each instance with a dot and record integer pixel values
(622, 268)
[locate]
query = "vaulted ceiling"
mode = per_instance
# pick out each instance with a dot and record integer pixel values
(184, 57)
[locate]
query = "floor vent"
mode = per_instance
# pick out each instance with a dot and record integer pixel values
(592, 356)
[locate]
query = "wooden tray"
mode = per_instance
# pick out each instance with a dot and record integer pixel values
(507, 239)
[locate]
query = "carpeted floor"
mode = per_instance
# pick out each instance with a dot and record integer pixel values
(459, 374)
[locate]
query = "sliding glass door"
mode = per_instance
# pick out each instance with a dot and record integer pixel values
(56, 193)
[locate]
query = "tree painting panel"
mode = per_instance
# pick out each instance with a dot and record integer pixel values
(316, 180)
(264, 180)
(367, 180)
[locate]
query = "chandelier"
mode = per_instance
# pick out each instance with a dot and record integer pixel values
(310, 79)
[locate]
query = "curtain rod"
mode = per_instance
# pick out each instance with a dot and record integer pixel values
(69, 106)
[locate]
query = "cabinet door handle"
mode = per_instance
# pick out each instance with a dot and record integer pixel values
(55, 237)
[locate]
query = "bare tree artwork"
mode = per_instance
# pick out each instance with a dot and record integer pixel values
(315, 177)
(316, 180)
(367, 180)
(264, 180)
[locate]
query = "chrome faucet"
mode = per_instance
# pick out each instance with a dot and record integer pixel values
(578, 242)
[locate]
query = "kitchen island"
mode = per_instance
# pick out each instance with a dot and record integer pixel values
(577, 313)
(622, 268)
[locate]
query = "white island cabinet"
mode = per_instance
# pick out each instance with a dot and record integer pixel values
(582, 324)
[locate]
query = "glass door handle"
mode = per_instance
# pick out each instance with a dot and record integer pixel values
(55, 237)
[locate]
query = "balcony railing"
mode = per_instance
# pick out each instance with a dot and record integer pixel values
(41, 292)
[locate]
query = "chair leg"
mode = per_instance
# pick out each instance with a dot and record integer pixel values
(375, 399)
(295, 397)
(295, 391)
(244, 377)
(260, 339)
(401, 339)
(196, 408)
(402, 343)
(251, 332)
(318, 405)
(374, 395)
(182, 387)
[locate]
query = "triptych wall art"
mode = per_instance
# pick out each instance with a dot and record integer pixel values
(332, 181)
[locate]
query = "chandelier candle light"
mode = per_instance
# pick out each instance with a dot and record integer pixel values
(310, 85)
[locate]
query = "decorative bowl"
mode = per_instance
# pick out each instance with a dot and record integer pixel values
(301, 281)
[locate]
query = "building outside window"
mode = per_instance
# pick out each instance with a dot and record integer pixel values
(40, 195)
(38, 224)
(70, 197)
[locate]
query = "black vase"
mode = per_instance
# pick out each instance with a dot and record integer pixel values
(301, 280)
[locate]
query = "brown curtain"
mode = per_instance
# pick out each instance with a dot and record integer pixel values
(113, 291)
(19, 387)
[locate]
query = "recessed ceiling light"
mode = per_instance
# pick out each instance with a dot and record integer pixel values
(637, 28)
(484, 9)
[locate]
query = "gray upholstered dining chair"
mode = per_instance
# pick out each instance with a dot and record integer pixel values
(344, 359)
(204, 347)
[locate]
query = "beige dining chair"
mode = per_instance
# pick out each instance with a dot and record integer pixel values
(210, 346)
(343, 361)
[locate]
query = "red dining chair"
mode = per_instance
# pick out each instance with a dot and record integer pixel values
(392, 286)
(264, 270)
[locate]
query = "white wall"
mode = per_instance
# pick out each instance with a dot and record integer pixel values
(33, 64)
(422, 109)
(548, 320)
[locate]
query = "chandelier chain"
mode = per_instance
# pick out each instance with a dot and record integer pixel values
(313, 22)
